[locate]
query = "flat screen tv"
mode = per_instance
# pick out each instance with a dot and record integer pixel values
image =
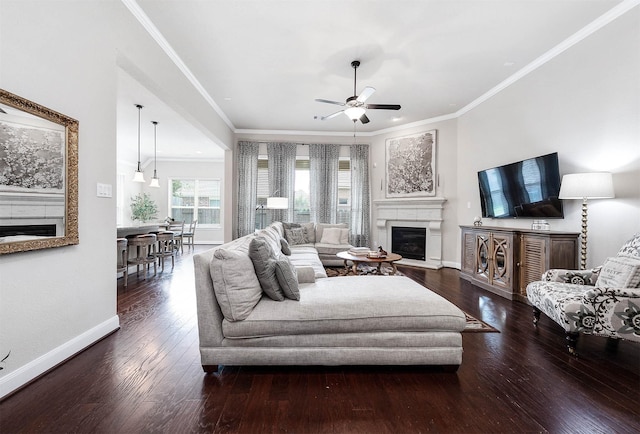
(527, 188)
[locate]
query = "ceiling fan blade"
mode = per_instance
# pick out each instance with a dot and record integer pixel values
(329, 102)
(332, 115)
(384, 106)
(364, 119)
(366, 93)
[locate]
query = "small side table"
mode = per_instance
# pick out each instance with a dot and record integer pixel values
(391, 258)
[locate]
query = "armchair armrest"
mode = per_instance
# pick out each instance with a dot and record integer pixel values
(576, 277)
(617, 293)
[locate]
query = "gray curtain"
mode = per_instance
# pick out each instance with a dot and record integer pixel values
(323, 165)
(247, 188)
(360, 197)
(282, 177)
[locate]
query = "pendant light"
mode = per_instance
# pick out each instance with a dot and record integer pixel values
(138, 176)
(155, 182)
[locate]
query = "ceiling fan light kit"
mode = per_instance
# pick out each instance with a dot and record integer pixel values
(355, 105)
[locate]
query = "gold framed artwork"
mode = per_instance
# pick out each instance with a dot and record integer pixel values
(411, 165)
(38, 176)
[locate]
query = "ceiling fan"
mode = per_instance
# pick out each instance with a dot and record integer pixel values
(355, 105)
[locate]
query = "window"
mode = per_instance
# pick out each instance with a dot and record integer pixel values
(302, 188)
(195, 197)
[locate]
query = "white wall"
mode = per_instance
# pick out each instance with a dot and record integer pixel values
(446, 187)
(584, 104)
(63, 55)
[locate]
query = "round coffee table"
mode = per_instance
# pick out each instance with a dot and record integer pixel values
(361, 259)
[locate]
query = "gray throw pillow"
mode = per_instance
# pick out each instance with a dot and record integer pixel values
(237, 290)
(264, 262)
(296, 236)
(287, 278)
(284, 246)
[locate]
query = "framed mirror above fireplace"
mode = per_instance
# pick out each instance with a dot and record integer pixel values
(38, 176)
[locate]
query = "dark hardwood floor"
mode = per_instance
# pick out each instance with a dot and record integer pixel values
(147, 378)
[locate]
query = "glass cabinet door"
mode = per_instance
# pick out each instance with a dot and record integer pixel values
(500, 269)
(482, 255)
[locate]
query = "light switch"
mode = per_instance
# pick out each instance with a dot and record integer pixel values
(104, 190)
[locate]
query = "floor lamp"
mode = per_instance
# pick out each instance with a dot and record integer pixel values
(272, 203)
(597, 185)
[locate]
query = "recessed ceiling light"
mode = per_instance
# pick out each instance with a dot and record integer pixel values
(198, 152)
(453, 104)
(396, 119)
(509, 63)
(227, 98)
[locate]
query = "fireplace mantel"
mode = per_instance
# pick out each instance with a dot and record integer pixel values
(413, 212)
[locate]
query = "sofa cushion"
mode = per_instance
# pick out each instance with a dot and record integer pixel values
(307, 256)
(296, 236)
(264, 262)
(284, 247)
(287, 278)
(352, 304)
(236, 290)
(331, 249)
(309, 230)
(619, 272)
(320, 227)
(631, 248)
(331, 235)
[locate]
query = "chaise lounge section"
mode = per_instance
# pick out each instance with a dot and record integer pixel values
(350, 320)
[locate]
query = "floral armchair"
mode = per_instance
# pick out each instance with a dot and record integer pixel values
(604, 301)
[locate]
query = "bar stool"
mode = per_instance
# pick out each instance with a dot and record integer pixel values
(145, 252)
(177, 227)
(165, 248)
(122, 258)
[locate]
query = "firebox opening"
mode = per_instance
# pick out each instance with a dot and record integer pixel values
(31, 230)
(409, 242)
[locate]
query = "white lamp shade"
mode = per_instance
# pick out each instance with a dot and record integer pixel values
(138, 176)
(596, 185)
(277, 203)
(354, 113)
(155, 183)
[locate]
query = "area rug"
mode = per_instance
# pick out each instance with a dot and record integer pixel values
(473, 325)
(362, 269)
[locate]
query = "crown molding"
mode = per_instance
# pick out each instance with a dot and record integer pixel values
(153, 31)
(597, 24)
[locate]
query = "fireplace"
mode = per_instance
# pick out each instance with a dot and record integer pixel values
(31, 230)
(409, 242)
(424, 214)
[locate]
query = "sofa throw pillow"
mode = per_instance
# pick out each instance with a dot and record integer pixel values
(309, 231)
(264, 262)
(631, 248)
(330, 236)
(296, 236)
(619, 272)
(236, 290)
(287, 278)
(344, 236)
(284, 247)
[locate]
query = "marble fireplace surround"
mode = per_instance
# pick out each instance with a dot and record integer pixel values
(412, 212)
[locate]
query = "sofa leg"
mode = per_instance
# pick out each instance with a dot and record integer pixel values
(210, 369)
(449, 368)
(572, 340)
(536, 315)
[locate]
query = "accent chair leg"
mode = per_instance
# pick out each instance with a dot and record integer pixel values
(572, 340)
(536, 315)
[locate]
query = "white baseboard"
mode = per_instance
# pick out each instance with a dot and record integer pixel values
(449, 264)
(42, 364)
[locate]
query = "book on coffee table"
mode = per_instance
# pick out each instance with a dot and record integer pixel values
(359, 251)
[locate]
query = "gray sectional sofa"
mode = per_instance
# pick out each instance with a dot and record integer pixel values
(349, 320)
